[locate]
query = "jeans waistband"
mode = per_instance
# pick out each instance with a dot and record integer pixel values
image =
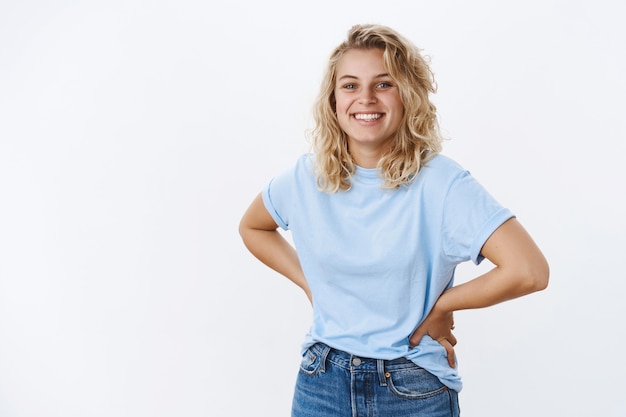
(355, 363)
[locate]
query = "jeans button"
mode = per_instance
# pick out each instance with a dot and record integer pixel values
(356, 361)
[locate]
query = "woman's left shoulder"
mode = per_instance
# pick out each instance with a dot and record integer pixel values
(443, 165)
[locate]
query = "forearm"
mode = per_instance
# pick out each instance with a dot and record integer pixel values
(496, 286)
(272, 249)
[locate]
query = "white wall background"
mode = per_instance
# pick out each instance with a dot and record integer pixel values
(133, 135)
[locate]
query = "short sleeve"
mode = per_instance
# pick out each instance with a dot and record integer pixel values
(470, 216)
(277, 198)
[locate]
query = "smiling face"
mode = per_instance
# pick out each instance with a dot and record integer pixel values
(368, 105)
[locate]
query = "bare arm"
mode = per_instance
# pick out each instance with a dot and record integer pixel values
(260, 235)
(520, 269)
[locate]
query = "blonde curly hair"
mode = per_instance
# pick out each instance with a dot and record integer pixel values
(417, 139)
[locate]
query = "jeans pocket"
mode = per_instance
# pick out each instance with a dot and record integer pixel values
(311, 362)
(414, 383)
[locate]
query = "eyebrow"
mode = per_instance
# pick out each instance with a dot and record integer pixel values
(348, 76)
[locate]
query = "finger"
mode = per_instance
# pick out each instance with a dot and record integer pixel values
(449, 351)
(415, 338)
(452, 339)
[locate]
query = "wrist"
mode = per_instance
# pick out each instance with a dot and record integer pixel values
(443, 306)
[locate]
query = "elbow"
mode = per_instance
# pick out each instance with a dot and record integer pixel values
(242, 229)
(244, 232)
(537, 275)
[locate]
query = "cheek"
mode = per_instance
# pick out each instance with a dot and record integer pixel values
(340, 105)
(341, 109)
(398, 111)
(342, 118)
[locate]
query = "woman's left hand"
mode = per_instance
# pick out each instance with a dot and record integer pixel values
(438, 325)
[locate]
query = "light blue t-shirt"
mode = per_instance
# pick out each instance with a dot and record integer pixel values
(376, 260)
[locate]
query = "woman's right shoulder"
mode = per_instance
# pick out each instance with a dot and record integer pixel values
(306, 158)
(303, 167)
(305, 163)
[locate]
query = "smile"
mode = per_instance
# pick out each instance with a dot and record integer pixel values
(368, 116)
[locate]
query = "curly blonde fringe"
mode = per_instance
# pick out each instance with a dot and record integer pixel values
(418, 138)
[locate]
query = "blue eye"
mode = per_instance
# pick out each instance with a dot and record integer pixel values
(349, 86)
(384, 85)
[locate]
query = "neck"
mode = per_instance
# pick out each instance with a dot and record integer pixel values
(366, 157)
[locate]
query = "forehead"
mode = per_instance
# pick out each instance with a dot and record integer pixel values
(361, 63)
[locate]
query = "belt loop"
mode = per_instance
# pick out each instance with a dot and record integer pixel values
(323, 354)
(380, 367)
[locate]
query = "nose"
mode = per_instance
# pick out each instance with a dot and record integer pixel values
(367, 96)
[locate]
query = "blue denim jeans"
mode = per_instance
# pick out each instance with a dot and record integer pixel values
(332, 383)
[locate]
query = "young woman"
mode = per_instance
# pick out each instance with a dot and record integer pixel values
(380, 219)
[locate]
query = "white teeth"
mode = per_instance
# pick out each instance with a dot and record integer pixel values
(361, 116)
